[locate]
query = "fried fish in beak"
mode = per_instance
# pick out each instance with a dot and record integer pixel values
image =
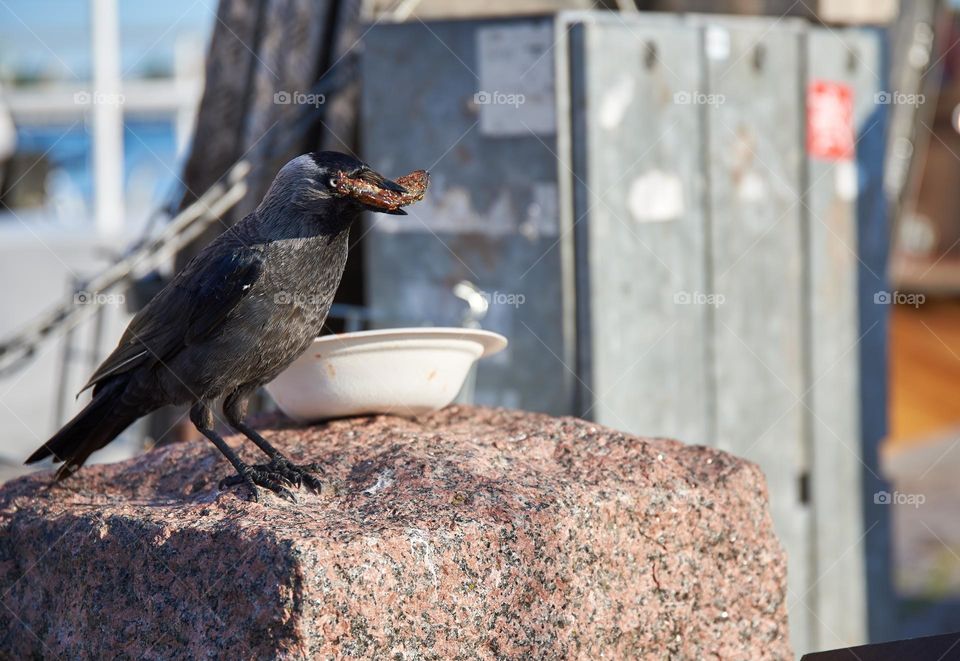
(377, 193)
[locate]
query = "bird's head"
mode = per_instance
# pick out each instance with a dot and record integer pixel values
(328, 181)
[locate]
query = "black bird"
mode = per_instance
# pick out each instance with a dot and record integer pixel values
(234, 318)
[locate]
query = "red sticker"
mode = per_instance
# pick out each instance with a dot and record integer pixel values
(830, 133)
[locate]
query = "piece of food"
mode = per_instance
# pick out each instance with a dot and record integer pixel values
(370, 193)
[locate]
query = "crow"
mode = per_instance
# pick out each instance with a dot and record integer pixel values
(236, 316)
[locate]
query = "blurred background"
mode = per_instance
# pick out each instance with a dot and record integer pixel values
(734, 223)
(82, 172)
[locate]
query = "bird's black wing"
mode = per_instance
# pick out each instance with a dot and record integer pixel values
(186, 311)
(226, 281)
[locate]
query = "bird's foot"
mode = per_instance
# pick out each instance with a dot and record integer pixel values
(257, 476)
(276, 476)
(298, 476)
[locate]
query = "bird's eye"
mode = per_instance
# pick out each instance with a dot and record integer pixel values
(332, 182)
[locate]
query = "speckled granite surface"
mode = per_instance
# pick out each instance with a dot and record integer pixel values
(470, 533)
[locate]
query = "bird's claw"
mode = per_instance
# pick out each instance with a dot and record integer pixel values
(258, 478)
(277, 476)
(298, 476)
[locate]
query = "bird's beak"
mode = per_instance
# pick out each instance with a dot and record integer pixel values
(380, 181)
(377, 193)
(384, 184)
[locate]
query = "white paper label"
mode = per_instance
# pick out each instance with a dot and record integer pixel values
(845, 179)
(656, 197)
(615, 102)
(717, 43)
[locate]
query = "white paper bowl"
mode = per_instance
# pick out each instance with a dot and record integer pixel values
(404, 371)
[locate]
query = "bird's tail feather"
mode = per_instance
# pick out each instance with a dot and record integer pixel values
(101, 421)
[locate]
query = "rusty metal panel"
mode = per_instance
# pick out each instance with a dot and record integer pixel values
(474, 103)
(643, 304)
(755, 164)
(842, 68)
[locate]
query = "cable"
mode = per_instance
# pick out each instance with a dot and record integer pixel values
(183, 228)
(148, 252)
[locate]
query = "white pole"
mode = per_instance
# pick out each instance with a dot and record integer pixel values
(106, 101)
(186, 73)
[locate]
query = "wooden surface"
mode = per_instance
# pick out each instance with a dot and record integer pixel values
(928, 274)
(924, 371)
(921, 455)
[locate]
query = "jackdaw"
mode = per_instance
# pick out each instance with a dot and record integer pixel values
(235, 317)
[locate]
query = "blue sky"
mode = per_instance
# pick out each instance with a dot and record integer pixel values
(52, 37)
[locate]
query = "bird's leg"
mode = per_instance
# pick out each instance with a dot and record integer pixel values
(279, 467)
(202, 417)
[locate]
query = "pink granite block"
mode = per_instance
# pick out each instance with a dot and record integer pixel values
(469, 533)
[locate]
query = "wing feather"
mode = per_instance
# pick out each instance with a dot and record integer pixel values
(189, 309)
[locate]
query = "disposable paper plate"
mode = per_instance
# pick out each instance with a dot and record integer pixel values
(404, 371)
